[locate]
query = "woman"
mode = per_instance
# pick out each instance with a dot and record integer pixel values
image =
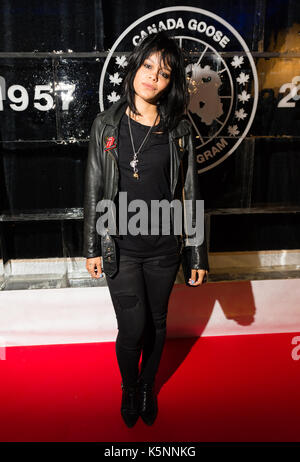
(142, 145)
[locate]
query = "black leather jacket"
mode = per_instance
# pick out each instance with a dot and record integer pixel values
(102, 177)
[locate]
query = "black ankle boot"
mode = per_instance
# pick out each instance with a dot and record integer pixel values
(129, 406)
(147, 402)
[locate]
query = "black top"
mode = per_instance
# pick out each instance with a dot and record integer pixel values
(153, 183)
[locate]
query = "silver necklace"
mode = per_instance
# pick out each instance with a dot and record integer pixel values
(134, 162)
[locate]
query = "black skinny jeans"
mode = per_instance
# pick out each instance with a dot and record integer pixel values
(140, 293)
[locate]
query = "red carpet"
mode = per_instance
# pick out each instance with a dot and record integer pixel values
(233, 388)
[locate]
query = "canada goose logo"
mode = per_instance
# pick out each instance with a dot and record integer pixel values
(221, 75)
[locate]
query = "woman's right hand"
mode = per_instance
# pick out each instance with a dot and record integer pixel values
(93, 265)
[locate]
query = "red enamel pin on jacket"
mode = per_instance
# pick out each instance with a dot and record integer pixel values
(110, 143)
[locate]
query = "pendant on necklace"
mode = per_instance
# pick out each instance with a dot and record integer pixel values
(133, 163)
(136, 175)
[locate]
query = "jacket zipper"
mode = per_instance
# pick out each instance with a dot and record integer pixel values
(117, 231)
(173, 145)
(183, 200)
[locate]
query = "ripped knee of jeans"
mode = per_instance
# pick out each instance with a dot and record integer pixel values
(127, 301)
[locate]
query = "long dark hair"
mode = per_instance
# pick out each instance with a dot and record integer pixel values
(174, 101)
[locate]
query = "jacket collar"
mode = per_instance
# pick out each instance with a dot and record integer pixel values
(113, 114)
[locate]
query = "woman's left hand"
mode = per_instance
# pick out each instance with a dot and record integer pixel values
(194, 273)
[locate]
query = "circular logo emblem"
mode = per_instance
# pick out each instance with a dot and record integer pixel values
(220, 70)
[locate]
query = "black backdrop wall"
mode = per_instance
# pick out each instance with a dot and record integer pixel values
(251, 194)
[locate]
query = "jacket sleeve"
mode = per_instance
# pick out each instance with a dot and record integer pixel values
(199, 257)
(93, 192)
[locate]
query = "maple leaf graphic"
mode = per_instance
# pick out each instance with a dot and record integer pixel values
(115, 79)
(113, 97)
(121, 61)
(240, 114)
(242, 78)
(244, 96)
(237, 61)
(233, 130)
